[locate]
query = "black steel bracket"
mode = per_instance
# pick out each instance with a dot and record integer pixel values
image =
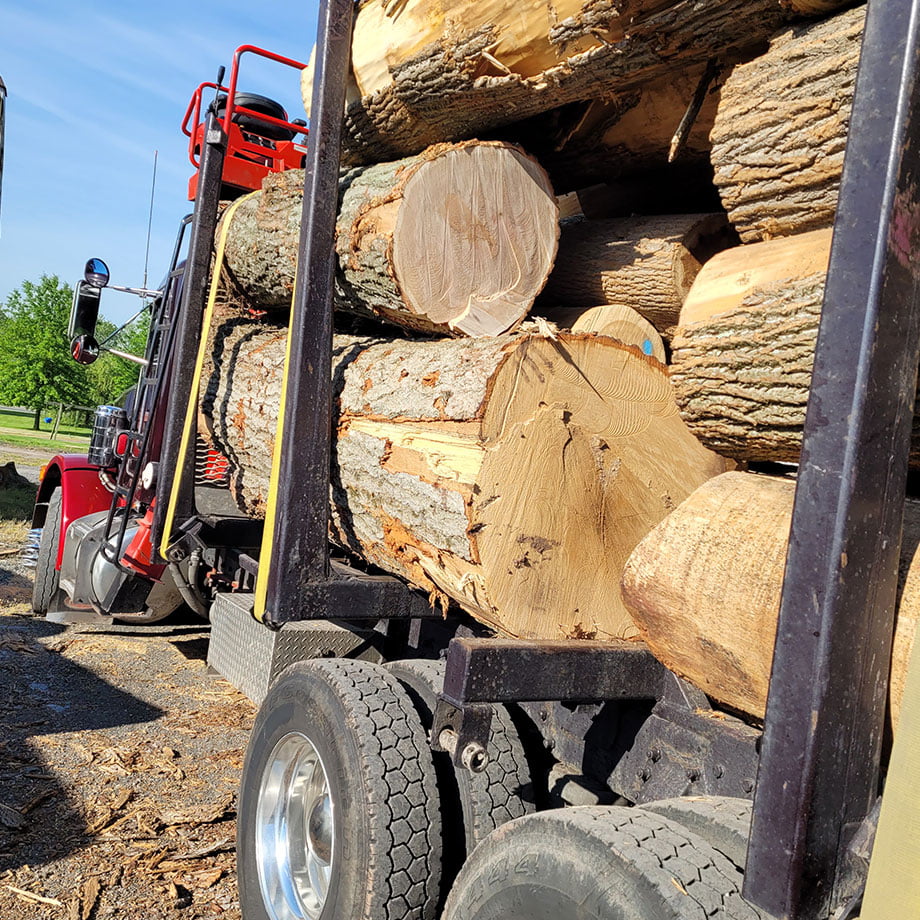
(484, 671)
(350, 594)
(298, 576)
(819, 768)
(685, 747)
(518, 670)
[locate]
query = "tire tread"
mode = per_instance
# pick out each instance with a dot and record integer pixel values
(400, 796)
(47, 576)
(689, 879)
(504, 790)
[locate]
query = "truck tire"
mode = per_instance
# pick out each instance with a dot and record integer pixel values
(47, 576)
(338, 813)
(597, 863)
(723, 822)
(472, 804)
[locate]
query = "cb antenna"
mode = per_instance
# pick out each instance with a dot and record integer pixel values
(153, 187)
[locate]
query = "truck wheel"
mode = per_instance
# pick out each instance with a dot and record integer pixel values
(47, 575)
(481, 801)
(338, 806)
(723, 822)
(597, 863)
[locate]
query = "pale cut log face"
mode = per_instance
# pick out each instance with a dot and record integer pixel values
(705, 588)
(614, 320)
(472, 244)
(585, 453)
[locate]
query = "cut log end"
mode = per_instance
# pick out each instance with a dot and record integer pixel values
(615, 320)
(475, 238)
(586, 454)
(704, 588)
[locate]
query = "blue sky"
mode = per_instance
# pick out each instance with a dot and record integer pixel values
(93, 90)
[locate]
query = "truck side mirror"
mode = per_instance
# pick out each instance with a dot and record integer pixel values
(84, 349)
(96, 273)
(84, 312)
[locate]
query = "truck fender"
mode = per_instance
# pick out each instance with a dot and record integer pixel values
(82, 492)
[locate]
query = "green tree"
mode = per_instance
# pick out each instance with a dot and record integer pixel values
(111, 376)
(36, 369)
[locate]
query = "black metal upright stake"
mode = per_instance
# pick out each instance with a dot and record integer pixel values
(300, 553)
(819, 769)
(194, 297)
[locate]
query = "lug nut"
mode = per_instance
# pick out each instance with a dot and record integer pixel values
(474, 757)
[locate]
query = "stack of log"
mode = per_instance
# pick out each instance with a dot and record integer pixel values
(523, 404)
(507, 468)
(704, 587)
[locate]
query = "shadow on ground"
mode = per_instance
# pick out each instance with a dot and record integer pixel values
(41, 693)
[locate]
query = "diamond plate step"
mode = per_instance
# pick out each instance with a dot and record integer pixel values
(251, 656)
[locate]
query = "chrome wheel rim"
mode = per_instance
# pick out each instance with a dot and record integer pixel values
(296, 831)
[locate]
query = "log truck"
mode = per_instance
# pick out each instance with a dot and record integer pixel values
(408, 765)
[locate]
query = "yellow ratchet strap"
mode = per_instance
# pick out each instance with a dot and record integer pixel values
(271, 505)
(192, 404)
(893, 887)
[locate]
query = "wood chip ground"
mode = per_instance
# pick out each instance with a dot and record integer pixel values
(120, 758)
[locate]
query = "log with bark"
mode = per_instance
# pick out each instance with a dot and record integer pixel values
(616, 321)
(631, 134)
(524, 41)
(511, 475)
(646, 263)
(735, 274)
(458, 240)
(450, 71)
(741, 376)
(704, 588)
(781, 126)
(742, 356)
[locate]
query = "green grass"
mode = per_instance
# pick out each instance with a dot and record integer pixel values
(25, 420)
(45, 444)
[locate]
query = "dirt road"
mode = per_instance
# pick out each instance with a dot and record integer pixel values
(120, 757)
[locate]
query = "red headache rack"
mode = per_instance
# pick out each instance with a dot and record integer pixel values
(261, 137)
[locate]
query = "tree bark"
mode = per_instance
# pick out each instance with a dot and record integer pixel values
(734, 274)
(742, 357)
(781, 128)
(522, 40)
(741, 375)
(610, 139)
(614, 320)
(456, 241)
(704, 588)
(512, 475)
(453, 84)
(742, 379)
(646, 263)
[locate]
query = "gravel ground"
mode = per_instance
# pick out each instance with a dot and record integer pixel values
(120, 757)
